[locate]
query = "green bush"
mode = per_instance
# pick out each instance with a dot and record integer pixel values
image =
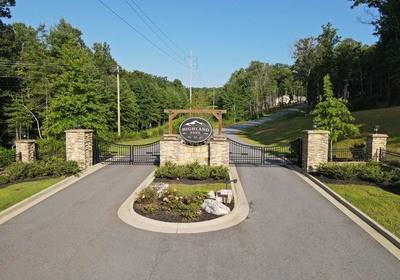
(193, 171)
(143, 134)
(4, 179)
(371, 172)
(7, 156)
(219, 172)
(55, 167)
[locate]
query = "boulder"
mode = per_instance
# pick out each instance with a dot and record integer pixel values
(211, 195)
(215, 207)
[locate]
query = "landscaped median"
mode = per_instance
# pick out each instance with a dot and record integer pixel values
(186, 199)
(371, 187)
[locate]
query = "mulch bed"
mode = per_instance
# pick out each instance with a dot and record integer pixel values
(174, 217)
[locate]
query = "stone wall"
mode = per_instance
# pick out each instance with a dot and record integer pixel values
(173, 149)
(374, 143)
(79, 146)
(315, 149)
(25, 150)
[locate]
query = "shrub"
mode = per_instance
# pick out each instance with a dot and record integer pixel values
(143, 134)
(4, 179)
(193, 171)
(371, 172)
(55, 167)
(219, 172)
(196, 171)
(7, 156)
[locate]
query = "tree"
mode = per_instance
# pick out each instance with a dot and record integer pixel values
(76, 84)
(333, 115)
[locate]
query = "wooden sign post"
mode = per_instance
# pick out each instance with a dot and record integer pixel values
(172, 113)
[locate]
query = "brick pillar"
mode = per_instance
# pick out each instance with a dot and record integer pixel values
(79, 146)
(374, 143)
(219, 151)
(315, 149)
(25, 150)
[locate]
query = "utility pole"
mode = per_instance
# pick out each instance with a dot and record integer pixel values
(190, 77)
(118, 105)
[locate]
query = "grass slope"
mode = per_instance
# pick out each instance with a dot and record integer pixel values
(288, 128)
(382, 206)
(14, 193)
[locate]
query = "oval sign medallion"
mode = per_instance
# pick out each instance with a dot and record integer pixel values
(195, 130)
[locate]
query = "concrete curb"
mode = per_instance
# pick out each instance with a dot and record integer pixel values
(31, 201)
(238, 214)
(376, 231)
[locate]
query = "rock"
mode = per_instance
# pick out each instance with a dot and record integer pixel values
(161, 188)
(211, 195)
(215, 207)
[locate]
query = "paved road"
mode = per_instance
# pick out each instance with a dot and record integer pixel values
(291, 233)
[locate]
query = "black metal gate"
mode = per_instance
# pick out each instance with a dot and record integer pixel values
(126, 154)
(243, 154)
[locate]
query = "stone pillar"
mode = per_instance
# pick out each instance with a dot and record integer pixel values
(374, 144)
(315, 149)
(25, 150)
(79, 146)
(219, 151)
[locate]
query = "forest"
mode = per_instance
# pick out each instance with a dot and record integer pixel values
(50, 80)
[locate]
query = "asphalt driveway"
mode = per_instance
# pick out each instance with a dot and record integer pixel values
(291, 233)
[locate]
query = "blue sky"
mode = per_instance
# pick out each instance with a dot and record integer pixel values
(223, 34)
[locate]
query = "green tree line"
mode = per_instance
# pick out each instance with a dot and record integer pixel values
(52, 81)
(366, 75)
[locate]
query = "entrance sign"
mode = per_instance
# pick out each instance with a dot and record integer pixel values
(195, 130)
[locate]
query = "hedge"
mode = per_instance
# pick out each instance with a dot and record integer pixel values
(193, 171)
(19, 171)
(371, 172)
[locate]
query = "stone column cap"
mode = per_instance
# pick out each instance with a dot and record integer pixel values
(170, 137)
(316, 131)
(79, 130)
(378, 135)
(219, 137)
(25, 141)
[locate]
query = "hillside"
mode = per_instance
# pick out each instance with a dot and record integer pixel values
(288, 128)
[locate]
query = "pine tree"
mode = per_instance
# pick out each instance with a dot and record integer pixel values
(333, 115)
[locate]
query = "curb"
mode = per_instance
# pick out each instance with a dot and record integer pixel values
(389, 241)
(31, 201)
(239, 213)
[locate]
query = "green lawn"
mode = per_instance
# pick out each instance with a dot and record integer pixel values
(279, 131)
(288, 128)
(183, 190)
(381, 205)
(14, 193)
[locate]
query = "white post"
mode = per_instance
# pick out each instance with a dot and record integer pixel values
(118, 105)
